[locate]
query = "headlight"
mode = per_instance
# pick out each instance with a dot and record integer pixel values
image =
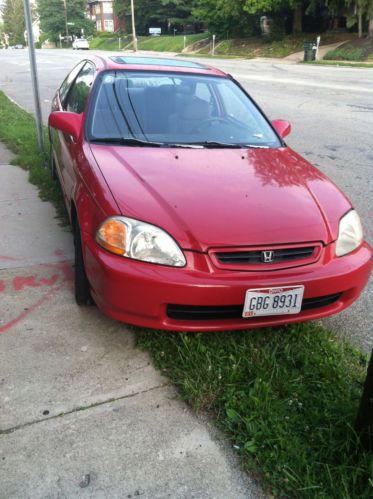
(140, 241)
(350, 234)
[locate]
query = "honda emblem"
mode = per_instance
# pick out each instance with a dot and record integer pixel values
(268, 256)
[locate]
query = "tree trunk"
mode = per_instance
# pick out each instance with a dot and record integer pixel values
(297, 19)
(370, 28)
(360, 24)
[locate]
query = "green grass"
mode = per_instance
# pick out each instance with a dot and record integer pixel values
(287, 397)
(340, 63)
(168, 43)
(106, 43)
(238, 47)
(156, 43)
(345, 54)
(18, 133)
(260, 47)
(257, 47)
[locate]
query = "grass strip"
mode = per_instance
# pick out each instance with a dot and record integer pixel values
(287, 397)
(339, 63)
(168, 43)
(261, 47)
(345, 54)
(18, 133)
(164, 43)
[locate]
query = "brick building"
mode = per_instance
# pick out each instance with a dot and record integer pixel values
(102, 13)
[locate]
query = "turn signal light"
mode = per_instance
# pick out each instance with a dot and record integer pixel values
(112, 236)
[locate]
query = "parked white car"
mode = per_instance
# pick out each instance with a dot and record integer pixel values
(80, 43)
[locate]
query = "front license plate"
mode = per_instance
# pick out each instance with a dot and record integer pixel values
(273, 301)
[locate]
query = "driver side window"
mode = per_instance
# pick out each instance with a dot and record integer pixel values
(80, 89)
(66, 85)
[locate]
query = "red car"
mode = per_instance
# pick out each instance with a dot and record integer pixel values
(189, 210)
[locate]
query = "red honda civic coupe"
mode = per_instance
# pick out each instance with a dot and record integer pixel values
(189, 210)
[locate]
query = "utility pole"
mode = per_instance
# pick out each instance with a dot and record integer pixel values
(66, 26)
(133, 27)
(34, 75)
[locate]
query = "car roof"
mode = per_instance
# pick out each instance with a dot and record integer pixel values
(129, 62)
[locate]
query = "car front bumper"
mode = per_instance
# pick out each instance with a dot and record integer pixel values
(200, 297)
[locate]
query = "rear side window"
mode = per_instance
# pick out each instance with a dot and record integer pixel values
(66, 85)
(80, 89)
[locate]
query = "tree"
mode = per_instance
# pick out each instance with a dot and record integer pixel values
(278, 7)
(366, 7)
(362, 9)
(370, 14)
(227, 18)
(52, 18)
(14, 21)
(163, 13)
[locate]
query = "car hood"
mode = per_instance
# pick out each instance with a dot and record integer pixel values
(209, 198)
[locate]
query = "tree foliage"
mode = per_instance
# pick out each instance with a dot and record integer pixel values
(52, 18)
(14, 21)
(227, 18)
(158, 13)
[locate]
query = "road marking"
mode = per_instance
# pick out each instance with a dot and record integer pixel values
(303, 83)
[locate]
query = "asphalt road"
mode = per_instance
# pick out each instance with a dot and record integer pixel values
(331, 111)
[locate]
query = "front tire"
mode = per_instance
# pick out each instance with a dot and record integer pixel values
(82, 287)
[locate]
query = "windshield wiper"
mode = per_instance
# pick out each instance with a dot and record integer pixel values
(223, 145)
(129, 141)
(193, 145)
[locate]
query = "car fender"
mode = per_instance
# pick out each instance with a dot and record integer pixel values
(91, 196)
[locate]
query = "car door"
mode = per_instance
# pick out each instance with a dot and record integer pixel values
(58, 104)
(74, 102)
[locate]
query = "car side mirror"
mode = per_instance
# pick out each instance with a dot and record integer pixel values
(70, 123)
(282, 127)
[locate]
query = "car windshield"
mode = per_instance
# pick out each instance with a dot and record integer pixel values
(180, 110)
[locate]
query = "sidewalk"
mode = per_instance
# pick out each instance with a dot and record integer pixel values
(83, 413)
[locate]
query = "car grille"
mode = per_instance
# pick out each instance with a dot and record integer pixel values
(257, 257)
(201, 312)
